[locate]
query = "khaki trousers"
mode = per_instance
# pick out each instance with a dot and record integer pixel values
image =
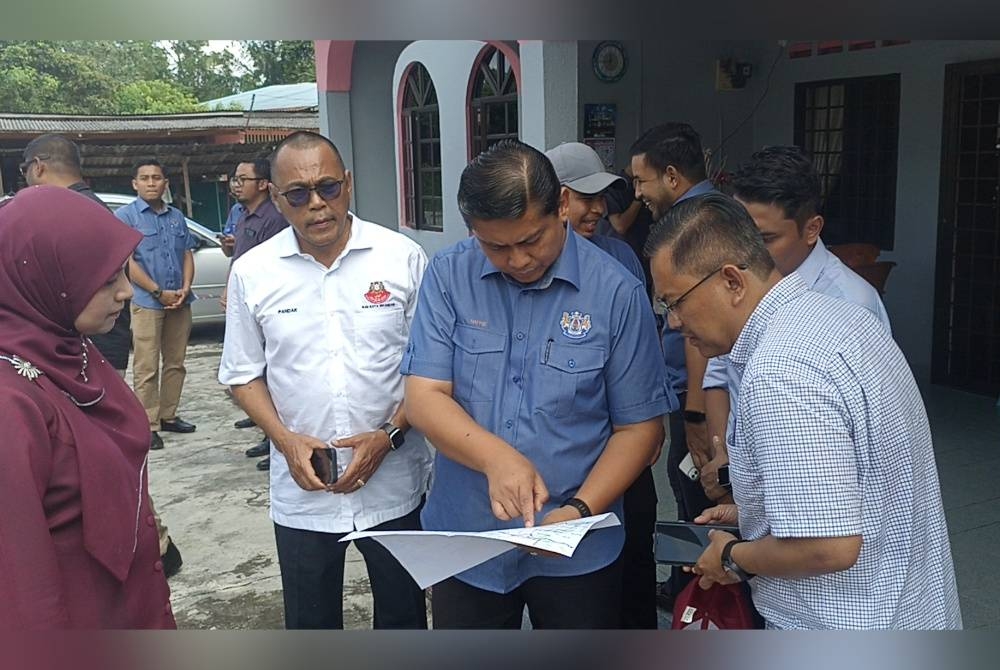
(159, 334)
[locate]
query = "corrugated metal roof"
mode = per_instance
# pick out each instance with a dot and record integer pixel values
(53, 123)
(279, 96)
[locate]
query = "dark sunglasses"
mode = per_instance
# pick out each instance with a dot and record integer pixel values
(299, 196)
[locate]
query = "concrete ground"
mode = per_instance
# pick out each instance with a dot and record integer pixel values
(215, 504)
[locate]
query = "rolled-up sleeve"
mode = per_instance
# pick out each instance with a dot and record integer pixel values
(430, 350)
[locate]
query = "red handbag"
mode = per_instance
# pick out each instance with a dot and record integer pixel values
(721, 607)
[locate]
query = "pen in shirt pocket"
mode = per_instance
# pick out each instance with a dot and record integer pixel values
(548, 350)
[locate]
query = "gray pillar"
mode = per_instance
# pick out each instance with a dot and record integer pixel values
(335, 123)
(549, 97)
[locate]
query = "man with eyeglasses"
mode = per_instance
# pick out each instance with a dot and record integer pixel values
(834, 478)
(161, 270)
(316, 324)
(260, 221)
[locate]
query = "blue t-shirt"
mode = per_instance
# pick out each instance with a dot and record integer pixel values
(549, 368)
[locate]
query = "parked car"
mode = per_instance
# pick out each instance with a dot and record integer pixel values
(211, 266)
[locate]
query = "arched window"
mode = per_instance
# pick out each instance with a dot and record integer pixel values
(421, 131)
(493, 101)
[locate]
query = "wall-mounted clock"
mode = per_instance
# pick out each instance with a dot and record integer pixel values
(610, 61)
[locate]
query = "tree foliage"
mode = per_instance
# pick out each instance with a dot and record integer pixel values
(279, 62)
(140, 77)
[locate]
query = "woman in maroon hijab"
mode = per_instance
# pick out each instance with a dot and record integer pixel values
(78, 546)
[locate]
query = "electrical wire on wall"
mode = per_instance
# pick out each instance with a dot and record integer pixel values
(767, 86)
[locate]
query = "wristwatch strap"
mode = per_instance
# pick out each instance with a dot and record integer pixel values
(581, 507)
(395, 433)
(690, 416)
(729, 564)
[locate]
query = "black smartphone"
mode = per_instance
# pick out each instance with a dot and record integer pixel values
(682, 543)
(324, 463)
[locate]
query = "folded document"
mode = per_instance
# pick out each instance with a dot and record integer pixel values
(431, 556)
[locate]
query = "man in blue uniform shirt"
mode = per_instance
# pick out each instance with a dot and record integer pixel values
(533, 368)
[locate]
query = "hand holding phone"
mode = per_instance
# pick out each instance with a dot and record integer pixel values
(324, 464)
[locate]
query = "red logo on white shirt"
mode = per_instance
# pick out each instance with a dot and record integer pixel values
(376, 293)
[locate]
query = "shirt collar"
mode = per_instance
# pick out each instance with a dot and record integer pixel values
(288, 241)
(566, 266)
(780, 294)
(812, 267)
(144, 206)
(262, 208)
(701, 188)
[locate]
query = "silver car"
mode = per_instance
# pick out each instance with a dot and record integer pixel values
(211, 266)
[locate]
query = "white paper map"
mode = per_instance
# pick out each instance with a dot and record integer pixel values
(431, 556)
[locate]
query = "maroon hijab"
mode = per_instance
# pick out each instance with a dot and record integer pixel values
(57, 248)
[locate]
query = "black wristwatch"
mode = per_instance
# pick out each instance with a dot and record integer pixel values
(156, 292)
(729, 565)
(724, 480)
(690, 416)
(395, 433)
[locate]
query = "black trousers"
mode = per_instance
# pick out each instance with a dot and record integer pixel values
(582, 602)
(638, 564)
(689, 495)
(312, 578)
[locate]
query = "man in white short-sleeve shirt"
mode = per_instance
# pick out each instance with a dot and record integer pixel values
(324, 309)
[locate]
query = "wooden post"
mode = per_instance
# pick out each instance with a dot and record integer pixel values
(187, 185)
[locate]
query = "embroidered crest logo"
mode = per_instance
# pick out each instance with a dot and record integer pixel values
(376, 293)
(575, 325)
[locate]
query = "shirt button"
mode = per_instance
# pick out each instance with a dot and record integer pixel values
(516, 380)
(520, 335)
(158, 566)
(509, 423)
(571, 363)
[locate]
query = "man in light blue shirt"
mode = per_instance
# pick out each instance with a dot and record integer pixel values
(161, 270)
(533, 368)
(834, 477)
(780, 188)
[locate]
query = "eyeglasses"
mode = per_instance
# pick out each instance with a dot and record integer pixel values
(663, 308)
(23, 167)
(328, 190)
(238, 181)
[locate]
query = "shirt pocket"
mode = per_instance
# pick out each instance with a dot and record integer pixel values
(569, 372)
(478, 362)
(379, 339)
(178, 234)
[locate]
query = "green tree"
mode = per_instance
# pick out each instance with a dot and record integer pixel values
(278, 62)
(47, 77)
(154, 97)
(205, 74)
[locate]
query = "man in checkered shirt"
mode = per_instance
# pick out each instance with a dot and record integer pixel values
(832, 464)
